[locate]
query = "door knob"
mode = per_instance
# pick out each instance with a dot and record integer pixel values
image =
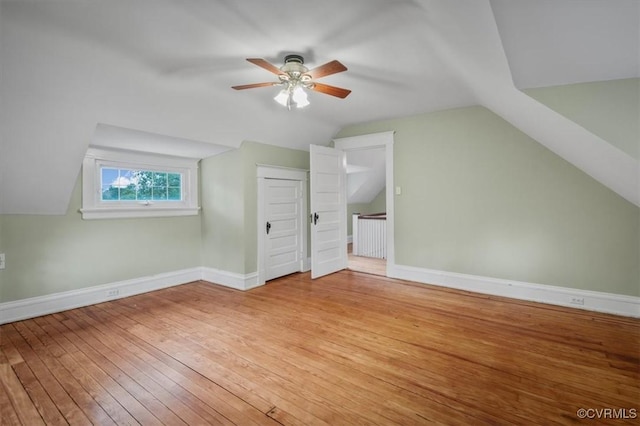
(268, 227)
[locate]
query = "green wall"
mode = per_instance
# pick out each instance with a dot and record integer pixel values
(256, 153)
(52, 254)
(480, 197)
(609, 109)
(222, 203)
(230, 194)
(377, 205)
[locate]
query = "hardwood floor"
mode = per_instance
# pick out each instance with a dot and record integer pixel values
(345, 349)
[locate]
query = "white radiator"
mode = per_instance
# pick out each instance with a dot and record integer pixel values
(370, 235)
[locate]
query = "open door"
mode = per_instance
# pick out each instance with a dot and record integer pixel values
(328, 210)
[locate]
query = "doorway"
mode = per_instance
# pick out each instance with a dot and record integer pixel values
(366, 210)
(366, 146)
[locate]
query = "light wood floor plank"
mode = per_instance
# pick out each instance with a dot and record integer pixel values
(24, 409)
(207, 395)
(65, 404)
(221, 365)
(473, 370)
(39, 396)
(349, 348)
(185, 405)
(260, 354)
(344, 350)
(81, 369)
(8, 413)
(47, 408)
(83, 400)
(359, 392)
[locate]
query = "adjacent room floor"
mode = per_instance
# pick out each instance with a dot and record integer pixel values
(368, 265)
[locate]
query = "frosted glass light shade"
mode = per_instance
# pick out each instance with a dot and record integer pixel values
(300, 97)
(282, 98)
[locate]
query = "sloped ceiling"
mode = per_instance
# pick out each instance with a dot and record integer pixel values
(549, 42)
(365, 174)
(166, 67)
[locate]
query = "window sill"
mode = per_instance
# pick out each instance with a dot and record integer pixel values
(123, 213)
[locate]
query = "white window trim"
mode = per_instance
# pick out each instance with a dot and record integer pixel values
(94, 208)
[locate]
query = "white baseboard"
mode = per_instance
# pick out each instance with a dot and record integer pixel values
(563, 296)
(58, 302)
(230, 279)
(349, 239)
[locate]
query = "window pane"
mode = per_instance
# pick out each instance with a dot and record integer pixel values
(109, 193)
(124, 179)
(174, 194)
(159, 179)
(144, 181)
(108, 176)
(175, 180)
(128, 193)
(159, 192)
(144, 193)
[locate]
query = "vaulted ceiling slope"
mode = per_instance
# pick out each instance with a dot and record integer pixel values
(166, 67)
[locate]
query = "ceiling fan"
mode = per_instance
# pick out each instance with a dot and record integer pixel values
(295, 77)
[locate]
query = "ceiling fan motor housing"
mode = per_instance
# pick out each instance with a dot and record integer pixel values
(294, 66)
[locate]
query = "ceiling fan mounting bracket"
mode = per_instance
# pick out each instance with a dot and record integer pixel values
(294, 58)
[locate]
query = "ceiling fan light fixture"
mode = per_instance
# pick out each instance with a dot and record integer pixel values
(283, 98)
(292, 94)
(300, 97)
(295, 78)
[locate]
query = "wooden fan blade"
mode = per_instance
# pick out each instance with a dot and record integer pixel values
(252, 86)
(266, 65)
(338, 92)
(329, 68)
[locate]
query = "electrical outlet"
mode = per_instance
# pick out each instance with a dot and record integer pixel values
(113, 292)
(2, 261)
(577, 300)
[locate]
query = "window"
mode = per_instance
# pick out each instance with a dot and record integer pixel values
(140, 185)
(118, 184)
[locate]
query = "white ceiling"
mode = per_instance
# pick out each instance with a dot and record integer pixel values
(551, 42)
(166, 67)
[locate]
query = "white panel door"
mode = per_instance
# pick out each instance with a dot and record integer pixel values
(328, 211)
(283, 227)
